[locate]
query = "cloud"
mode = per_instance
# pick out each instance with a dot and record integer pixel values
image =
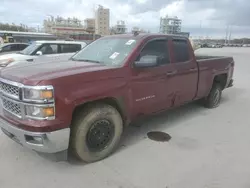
(196, 14)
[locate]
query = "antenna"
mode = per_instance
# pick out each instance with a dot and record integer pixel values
(94, 9)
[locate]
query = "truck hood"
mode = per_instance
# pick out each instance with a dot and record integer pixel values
(33, 73)
(15, 56)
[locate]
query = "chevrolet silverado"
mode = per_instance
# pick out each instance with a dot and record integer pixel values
(83, 104)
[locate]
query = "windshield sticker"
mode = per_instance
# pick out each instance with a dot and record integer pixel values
(114, 55)
(130, 42)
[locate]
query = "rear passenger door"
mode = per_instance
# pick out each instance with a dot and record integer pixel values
(186, 75)
(49, 49)
(70, 48)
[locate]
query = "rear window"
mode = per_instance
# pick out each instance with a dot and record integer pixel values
(70, 48)
(181, 50)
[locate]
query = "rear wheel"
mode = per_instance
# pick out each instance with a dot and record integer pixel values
(214, 97)
(96, 132)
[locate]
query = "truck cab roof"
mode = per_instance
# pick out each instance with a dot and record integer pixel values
(141, 36)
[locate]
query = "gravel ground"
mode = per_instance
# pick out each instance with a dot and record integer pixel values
(207, 149)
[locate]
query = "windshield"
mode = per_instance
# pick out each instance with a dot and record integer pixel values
(30, 49)
(108, 51)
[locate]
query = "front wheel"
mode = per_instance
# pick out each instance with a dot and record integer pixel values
(96, 132)
(214, 97)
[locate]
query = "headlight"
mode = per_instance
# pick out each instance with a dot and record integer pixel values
(39, 93)
(40, 112)
(5, 62)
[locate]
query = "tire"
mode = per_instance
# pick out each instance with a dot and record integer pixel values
(214, 97)
(86, 123)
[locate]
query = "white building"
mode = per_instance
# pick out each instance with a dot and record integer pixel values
(119, 28)
(63, 26)
(102, 19)
(170, 25)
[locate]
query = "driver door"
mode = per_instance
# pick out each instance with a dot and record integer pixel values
(148, 85)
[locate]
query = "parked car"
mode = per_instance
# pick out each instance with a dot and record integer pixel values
(208, 45)
(218, 45)
(12, 47)
(48, 49)
(204, 45)
(84, 104)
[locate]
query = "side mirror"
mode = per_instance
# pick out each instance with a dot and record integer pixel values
(39, 53)
(147, 61)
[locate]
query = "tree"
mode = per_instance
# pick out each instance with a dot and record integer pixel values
(13, 27)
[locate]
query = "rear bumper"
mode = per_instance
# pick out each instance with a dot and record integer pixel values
(42, 142)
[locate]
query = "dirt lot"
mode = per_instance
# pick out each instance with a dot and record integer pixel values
(207, 149)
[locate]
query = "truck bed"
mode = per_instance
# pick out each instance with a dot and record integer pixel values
(209, 67)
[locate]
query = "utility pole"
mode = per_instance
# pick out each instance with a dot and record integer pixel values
(201, 34)
(227, 27)
(95, 21)
(230, 33)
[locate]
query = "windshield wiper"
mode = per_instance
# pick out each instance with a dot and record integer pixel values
(86, 60)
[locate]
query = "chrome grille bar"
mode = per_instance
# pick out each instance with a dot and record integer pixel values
(12, 107)
(10, 88)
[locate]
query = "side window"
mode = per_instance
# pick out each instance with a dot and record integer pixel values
(181, 50)
(21, 46)
(14, 47)
(49, 49)
(70, 48)
(156, 48)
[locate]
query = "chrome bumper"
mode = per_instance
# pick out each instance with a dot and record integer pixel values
(42, 142)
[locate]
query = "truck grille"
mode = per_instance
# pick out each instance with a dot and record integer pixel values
(12, 107)
(9, 89)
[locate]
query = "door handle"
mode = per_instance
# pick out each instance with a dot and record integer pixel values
(171, 73)
(193, 69)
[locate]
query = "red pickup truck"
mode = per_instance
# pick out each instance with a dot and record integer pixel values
(83, 104)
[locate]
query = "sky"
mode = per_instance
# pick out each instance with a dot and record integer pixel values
(199, 17)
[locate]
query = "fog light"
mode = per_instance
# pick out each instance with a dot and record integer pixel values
(34, 139)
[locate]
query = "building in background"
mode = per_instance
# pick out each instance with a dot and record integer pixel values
(26, 37)
(63, 26)
(119, 28)
(102, 17)
(89, 24)
(70, 28)
(170, 25)
(139, 30)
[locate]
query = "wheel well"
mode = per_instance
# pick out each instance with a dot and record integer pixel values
(116, 103)
(221, 79)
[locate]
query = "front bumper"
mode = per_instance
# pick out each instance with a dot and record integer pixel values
(42, 142)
